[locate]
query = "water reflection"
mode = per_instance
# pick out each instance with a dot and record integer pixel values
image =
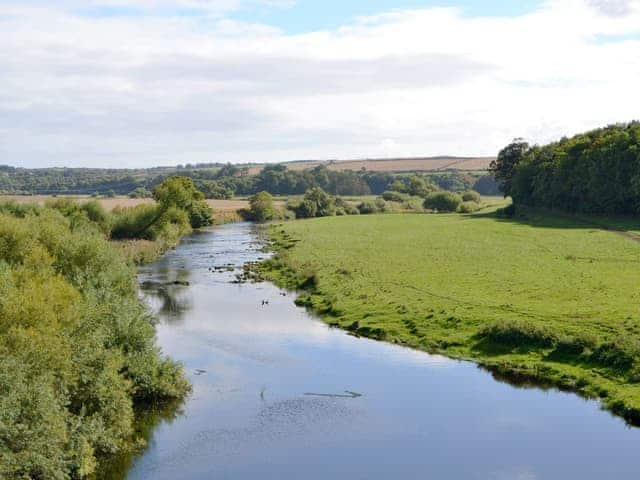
(419, 416)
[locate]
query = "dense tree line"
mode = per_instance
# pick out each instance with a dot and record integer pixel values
(225, 181)
(594, 172)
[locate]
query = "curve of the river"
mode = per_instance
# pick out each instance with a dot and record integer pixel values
(277, 394)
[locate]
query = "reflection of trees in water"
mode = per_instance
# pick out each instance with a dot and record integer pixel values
(173, 299)
(170, 294)
(147, 419)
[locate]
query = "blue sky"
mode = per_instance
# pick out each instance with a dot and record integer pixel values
(311, 15)
(302, 16)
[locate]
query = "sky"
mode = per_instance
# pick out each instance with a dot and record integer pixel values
(139, 83)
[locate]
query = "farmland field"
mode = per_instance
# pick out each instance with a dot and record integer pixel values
(544, 297)
(427, 164)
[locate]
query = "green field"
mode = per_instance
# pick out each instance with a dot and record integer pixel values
(539, 297)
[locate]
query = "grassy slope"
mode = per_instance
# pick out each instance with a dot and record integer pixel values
(433, 282)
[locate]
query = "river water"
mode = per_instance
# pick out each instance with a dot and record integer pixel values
(277, 394)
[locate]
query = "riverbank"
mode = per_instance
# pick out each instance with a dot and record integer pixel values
(539, 298)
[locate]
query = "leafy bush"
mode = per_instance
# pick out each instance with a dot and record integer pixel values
(471, 196)
(261, 207)
(468, 207)
(97, 214)
(393, 196)
(134, 222)
(77, 349)
(140, 192)
(619, 353)
(347, 207)
(367, 207)
(518, 333)
(181, 193)
(443, 201)
(575, 344)
(316, 203)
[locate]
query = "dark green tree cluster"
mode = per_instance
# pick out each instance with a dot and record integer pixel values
(77, 348)
(594, 172)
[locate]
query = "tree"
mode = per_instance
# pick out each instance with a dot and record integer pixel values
(316, 203)
(181, 193)
(261, 207)
(418, 187)
(503, 167)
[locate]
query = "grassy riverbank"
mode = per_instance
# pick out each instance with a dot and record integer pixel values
(540, 297)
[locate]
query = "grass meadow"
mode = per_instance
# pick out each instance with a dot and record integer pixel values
(540, 297)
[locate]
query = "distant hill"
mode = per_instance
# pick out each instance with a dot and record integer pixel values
(413, 164)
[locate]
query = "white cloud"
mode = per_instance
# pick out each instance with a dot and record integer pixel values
(145, 89)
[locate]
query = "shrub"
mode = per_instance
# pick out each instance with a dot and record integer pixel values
(134, 222)
(620, 353)
(442, 201)
(393, 196)
(77, 355)
(471, 196)
(518, 333)
(367, 207)
(140, 192)
(381, 205)
(261, 207)
(347, 207)
(316, 203)
(414, 204)
(97, 214)
(468, 207)
(181, 193)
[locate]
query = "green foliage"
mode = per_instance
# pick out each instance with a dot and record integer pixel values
(370, 206)
(504, 166)
(393, 196)
(140, 192)
(468, 207)
(261, 207)
(224, 181)
(134, 222)
(181, 193)
(518, 333)
(315, 203)
(345, 207)
(419, 187)
(594, 172)
(471, 196)
(487, 185)
(97, 214)
(77, 348)
(442, 201)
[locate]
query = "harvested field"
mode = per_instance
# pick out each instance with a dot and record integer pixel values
(425, 164)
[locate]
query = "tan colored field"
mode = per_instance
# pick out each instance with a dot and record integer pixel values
(110, 203)
(429, 164)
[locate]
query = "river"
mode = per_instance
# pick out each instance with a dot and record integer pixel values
(277, 394)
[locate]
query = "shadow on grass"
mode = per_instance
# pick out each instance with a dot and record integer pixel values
(554, 219)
